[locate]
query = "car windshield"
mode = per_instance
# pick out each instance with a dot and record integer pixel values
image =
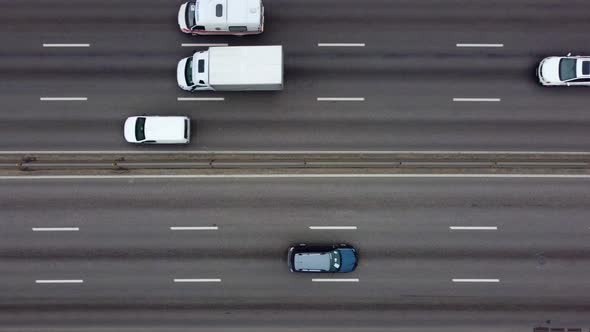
(188, 72)
(140, 129)
(335, 261)
(567, 69)
(190, 15)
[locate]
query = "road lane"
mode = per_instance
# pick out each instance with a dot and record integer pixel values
(408, 72)
(128, 257)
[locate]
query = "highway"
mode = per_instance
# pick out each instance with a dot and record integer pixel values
(408, 73)
(84, 254)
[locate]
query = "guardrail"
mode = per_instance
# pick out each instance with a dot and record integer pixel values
(303, 161)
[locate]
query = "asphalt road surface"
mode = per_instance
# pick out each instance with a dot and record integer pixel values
(118, 257)
(408, 73)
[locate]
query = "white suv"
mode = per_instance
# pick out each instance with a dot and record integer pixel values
(565, 70)
(158, 129)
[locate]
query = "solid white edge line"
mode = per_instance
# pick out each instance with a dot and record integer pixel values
(565, 153)
(63, 98)
(200, 99)
(340, 99)
(476, 280)
(59, 281)
(475, 228)
(66, 45)
(271, 176)
(194, 228)
(341, 44)
(478, 99)
(202, 45)
(55, 229)
(333, 227)
(478, 45)
(335, 280)
(197, 280)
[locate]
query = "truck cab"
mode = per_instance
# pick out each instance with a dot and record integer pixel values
(192, 73)
(221, 17)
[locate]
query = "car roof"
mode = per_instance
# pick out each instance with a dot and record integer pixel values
(312, 261)
(234, 12)
(583, 67)
(164, 128)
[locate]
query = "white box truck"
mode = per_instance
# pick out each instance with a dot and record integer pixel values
(232, 68)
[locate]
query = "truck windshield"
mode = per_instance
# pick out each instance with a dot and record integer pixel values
(188, 72)
(140, 129)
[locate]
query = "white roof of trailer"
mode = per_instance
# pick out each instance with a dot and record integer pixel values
(234, 12)
(246, 65)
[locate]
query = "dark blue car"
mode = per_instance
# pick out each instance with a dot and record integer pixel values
(322, 258)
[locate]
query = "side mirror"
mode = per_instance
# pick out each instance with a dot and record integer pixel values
(569, 54)
(567, 84)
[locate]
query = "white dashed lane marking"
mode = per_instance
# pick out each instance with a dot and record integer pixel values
(66, 45)
(334, 227)
(63, 98)
(341, 99)
(196, 280)
(479, 45)
(55, 229)
(476, 280)
(336, 280)
(194, 228)
(341, 44)
(478, 99)
(474, 228)
(59, 281)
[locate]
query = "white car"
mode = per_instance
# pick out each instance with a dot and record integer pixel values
(565, 70)
(221, 17)
(158, 129)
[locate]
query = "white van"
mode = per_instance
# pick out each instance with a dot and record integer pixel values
(221, 17)
(157, 129)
